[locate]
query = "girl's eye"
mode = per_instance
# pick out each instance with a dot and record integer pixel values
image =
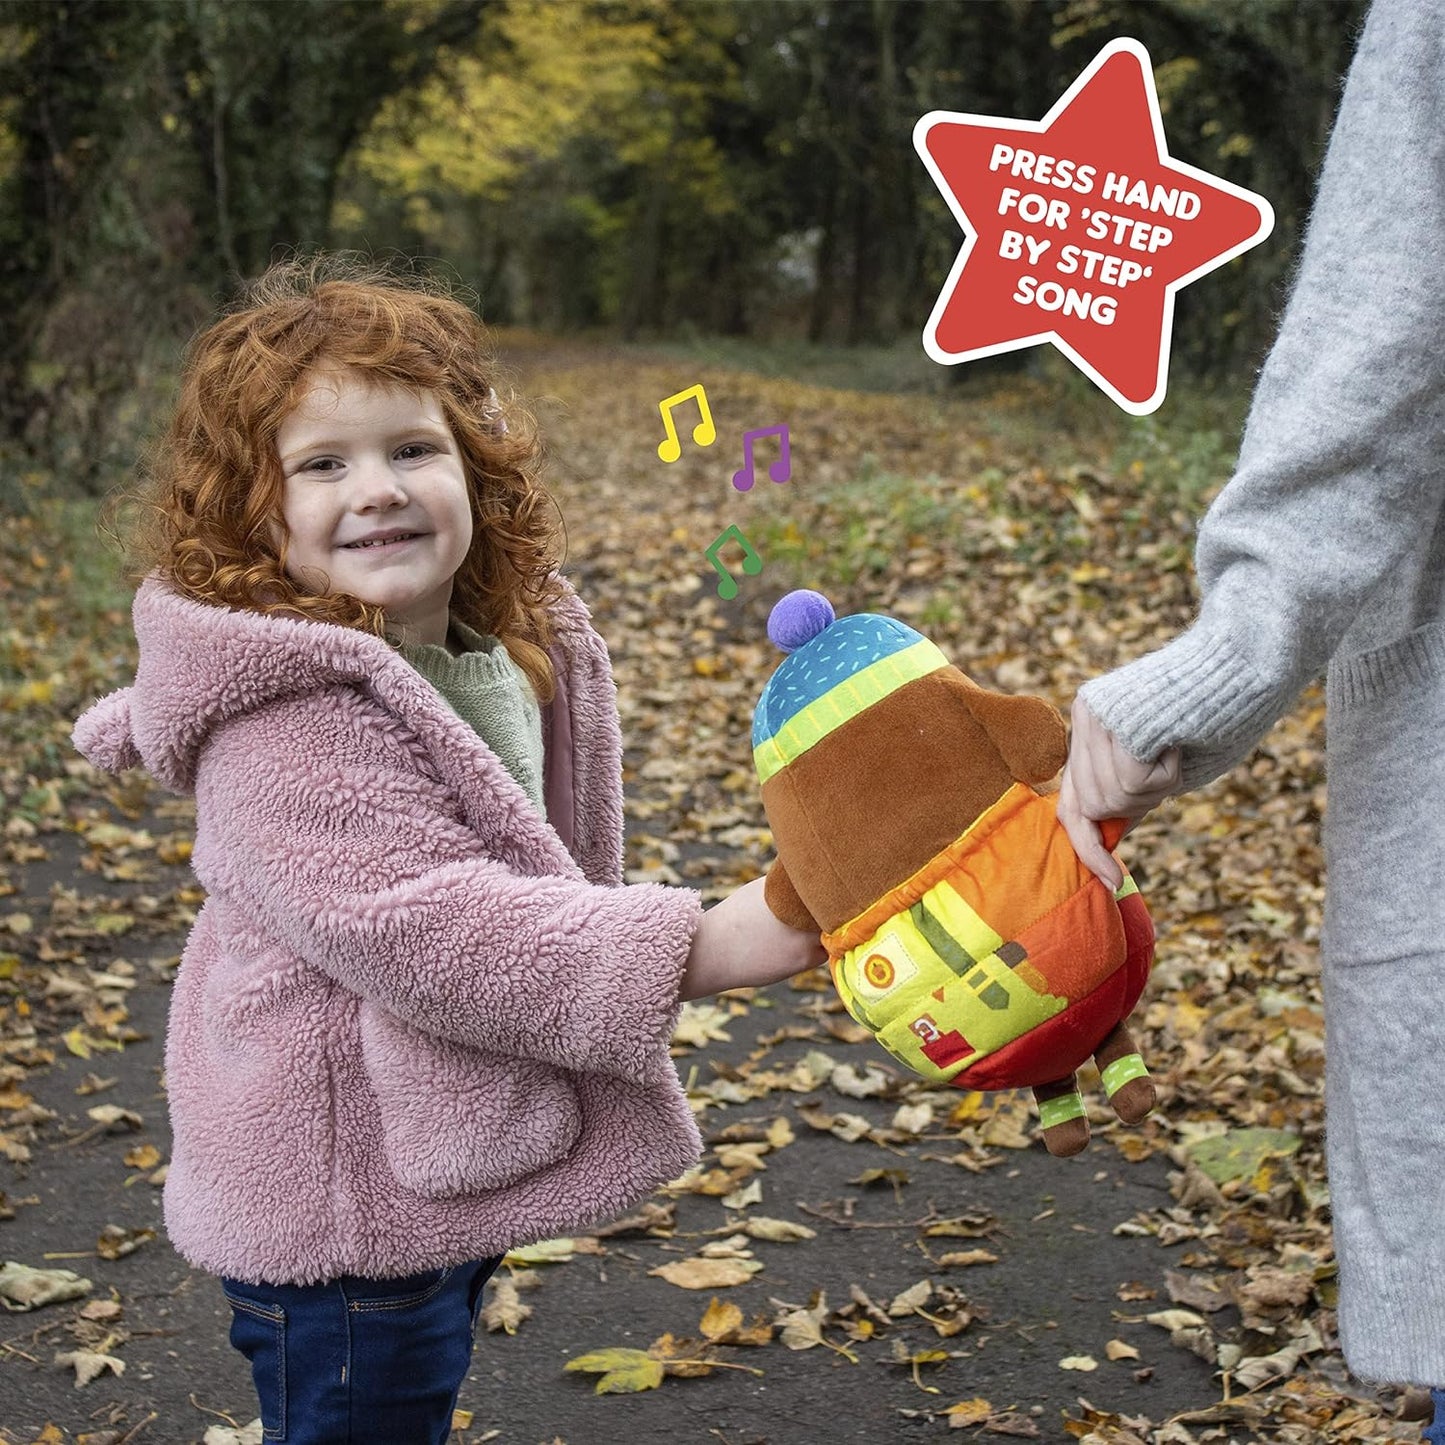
(329, 462)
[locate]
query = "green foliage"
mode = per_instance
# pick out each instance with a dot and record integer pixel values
(897, 366)
(162, 151)
(479, 128)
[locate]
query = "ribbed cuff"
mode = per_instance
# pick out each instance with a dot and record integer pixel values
(1200, 692)
(1390, 1312)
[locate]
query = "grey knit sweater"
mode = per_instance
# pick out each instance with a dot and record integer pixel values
(1326, 553)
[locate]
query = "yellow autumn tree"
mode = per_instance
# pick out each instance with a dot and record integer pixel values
(541, 74)
(600, 108)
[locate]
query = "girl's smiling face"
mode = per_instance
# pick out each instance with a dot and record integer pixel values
(376, 499)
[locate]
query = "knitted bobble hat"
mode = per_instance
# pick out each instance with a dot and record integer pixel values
(835, 668)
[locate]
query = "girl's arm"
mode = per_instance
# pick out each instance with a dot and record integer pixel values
(741, 942)
(316, 824)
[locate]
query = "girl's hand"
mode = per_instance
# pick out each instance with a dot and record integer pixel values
(740, 943)
(1103, 780)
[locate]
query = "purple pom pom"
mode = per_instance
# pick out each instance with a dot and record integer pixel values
(798, 618)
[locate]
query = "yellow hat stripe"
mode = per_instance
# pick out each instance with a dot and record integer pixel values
(809, 726)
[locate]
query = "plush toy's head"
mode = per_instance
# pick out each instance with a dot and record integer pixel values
(835, 669)
(874, 752)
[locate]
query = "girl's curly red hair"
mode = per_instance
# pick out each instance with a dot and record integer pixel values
(212, 483)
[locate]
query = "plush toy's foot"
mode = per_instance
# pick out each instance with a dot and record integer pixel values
(1061, 1113)
(1126, 1081)
(1129, 1087)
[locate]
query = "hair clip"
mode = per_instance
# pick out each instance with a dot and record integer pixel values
(492, 410)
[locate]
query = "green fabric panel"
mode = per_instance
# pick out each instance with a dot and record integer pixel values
(1061, 1110)
(943, 943)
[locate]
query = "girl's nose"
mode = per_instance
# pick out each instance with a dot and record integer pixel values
(379, 486)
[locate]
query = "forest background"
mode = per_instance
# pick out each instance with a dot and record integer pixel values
(656, 168)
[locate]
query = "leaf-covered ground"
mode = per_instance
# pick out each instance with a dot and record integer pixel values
(857, 1257)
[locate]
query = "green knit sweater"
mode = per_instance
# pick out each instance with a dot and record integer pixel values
(490, 692)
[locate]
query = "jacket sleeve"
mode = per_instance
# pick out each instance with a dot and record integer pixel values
(1339, 478)
(316, 821)
(102, 734)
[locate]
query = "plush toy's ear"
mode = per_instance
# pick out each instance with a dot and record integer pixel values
(780, 895)
(1027, 731)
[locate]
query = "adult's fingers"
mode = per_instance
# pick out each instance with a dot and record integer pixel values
(1088, 748)
(1078, 795)
(1111, 781)
(1099, 791)
(1143, 786)
(1085, 836)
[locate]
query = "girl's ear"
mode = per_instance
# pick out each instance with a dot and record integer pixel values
(1028, 731)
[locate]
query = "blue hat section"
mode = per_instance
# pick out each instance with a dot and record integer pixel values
(838, 652)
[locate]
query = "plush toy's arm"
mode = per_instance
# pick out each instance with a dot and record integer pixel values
(1028, 731)
(780, 896)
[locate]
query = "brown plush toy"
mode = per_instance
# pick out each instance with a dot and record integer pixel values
(961, 928)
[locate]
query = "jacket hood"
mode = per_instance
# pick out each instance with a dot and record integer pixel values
(202, 665)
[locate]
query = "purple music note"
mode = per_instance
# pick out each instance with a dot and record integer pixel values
(779, 471)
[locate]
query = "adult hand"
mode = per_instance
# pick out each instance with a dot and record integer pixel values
(1103, 780)
(739, 943)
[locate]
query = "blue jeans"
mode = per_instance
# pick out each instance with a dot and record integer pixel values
(1435, 1431)
(355, 1361)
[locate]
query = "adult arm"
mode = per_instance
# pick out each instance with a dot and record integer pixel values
(1339, 471)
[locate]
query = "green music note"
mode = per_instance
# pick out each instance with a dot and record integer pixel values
(727, 588)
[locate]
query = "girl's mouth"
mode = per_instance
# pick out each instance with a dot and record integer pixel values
(381, 543)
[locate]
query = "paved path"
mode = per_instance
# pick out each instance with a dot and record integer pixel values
(1052, 1293)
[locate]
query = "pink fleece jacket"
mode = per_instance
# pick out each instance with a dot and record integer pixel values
(410, 1027)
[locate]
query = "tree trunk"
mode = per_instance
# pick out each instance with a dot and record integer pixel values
(67, 114)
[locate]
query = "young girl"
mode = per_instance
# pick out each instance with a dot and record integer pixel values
(419, 1020)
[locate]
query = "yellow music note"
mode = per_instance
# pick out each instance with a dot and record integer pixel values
(727, 589)
(704, 433)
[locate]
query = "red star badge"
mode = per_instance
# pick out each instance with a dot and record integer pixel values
(1080, 229)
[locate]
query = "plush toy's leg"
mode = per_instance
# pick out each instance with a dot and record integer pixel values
(1061, 1113)
(1126, 1080)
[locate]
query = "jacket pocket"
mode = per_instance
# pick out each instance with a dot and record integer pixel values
(455, 1120)
(1384, 835)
